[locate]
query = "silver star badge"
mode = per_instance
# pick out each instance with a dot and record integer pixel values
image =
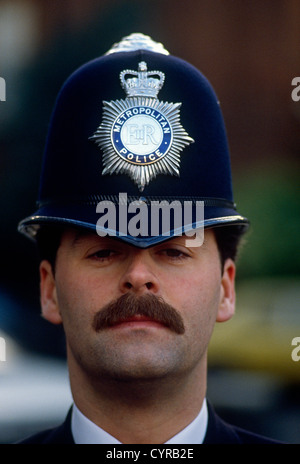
(141, 136)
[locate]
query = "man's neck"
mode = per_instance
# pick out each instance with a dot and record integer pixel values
(140, 411)
(85, 432)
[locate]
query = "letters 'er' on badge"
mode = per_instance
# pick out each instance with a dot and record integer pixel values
(141, 136)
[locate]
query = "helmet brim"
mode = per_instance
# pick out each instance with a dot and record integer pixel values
(86, 217)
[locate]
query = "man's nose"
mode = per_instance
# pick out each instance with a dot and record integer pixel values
(139, 276)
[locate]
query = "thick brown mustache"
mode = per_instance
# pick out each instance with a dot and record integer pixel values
(129, 305)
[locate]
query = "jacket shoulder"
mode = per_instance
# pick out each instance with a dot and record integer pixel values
(220, 432)
(60, 435)
(251, 438)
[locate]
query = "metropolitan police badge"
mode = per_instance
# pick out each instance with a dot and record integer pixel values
(141, 136)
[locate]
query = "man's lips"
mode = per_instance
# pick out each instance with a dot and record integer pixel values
(138, 319)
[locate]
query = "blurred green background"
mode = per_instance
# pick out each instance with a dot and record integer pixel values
(250, 52)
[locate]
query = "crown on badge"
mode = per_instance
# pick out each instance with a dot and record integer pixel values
(142, 82)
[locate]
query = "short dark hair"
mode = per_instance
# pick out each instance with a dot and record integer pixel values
(48, 240)
(228, 240)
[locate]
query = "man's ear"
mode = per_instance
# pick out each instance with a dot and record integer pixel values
(48, 295)
(227, 297)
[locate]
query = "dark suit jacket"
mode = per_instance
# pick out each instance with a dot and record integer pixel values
(218, 432)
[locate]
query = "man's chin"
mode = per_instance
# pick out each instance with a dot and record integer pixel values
(142, 358)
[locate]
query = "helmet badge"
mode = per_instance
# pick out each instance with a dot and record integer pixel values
(141, 136)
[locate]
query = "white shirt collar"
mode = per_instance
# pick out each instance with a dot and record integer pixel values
(85, 432)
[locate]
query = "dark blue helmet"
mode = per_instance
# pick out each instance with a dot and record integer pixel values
(140, 127)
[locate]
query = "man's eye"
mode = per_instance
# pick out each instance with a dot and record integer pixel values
(171, 252)
(103, 254)
(175, 253)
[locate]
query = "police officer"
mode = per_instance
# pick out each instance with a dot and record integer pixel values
(136, 167)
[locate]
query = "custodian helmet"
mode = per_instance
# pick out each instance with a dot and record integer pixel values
(140, 122)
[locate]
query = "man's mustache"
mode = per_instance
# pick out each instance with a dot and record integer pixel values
(129, 305)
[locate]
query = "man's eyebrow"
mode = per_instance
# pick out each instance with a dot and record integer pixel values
(85, 234)
(79, 236)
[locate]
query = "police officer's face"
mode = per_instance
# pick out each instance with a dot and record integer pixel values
(93, 271)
